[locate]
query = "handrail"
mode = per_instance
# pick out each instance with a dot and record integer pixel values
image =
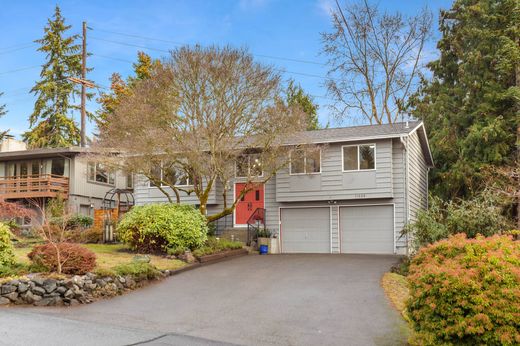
(253, 224)
(258, 215)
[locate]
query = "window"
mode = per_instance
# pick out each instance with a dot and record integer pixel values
(359, 157)
(99, 173)
(129, 181)
(169, 175)
(58, 166)
(305, 161)
(248, 165)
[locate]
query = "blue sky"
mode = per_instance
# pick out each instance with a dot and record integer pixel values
(269, 28)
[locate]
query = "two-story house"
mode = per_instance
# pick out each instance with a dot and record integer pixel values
(33, 176)
(352, 195)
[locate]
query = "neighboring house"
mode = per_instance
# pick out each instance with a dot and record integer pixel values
(353, 195)
(37, 175)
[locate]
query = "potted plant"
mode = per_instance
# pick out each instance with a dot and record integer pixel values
(264, 239)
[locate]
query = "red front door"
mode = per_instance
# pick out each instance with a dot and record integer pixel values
(247, 205)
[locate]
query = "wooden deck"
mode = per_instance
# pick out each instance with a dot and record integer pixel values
(34, 186)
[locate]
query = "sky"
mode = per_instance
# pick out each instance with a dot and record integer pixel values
(282, 33)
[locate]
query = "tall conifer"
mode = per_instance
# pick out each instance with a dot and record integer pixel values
(51, 122)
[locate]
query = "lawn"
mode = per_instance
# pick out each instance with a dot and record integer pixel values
(397, 291)
(110, 255)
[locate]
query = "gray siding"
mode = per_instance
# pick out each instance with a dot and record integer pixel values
(418, 176)
(81, 186)
(334, 184)
(144, 194)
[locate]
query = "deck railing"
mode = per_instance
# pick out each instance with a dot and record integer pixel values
(34, 186)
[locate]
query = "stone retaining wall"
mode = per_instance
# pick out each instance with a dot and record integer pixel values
(41, 291)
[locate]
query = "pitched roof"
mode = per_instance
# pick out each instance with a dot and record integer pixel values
(352, 133)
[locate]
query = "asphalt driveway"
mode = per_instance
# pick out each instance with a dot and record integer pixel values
(253, 300)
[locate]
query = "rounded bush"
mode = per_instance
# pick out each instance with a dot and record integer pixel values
(74, 258)
(466, 292)
(6, 246)
(157, 227)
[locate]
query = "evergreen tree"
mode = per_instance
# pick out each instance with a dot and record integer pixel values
(295, 95)
(3, 111)
(51, 123)
(119, 88)
(471, 106)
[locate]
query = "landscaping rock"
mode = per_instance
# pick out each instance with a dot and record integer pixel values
(61, 290)
(37, 281)
(7, 288)
(49, 285)
(4, 301)
(187, 257)
(13, 296)
(45, 302)
(38, 290)
(22, 287)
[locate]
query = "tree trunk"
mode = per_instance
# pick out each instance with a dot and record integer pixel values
(518, 142)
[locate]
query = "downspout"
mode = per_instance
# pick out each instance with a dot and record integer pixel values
(404, 142)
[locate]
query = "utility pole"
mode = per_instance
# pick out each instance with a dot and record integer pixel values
(83, 86)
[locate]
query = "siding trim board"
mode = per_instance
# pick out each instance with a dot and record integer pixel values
(366, 205)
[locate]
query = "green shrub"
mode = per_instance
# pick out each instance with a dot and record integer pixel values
(19, 269)
(466, 292)
(214, 245)
(481, 215)
(6, 246)
(157, 227)
(138, 270)
(80, 221)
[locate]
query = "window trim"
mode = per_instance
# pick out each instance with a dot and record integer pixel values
(95, 173)
(162, 185)
(359, 162)
(248, 168)
(304, 164)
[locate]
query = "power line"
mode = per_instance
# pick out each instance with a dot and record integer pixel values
(131, 62)
(20, 69)
(182, 44)
(16, 48)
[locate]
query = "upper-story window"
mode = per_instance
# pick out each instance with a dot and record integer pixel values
(305, 161)
(99, 173)
(248, 165)
(169, 175)
(359, 157)
(129, 181)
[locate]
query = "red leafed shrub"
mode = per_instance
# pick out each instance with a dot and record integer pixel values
(466, 292)
(67, 258)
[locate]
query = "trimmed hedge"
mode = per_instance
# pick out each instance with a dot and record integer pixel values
(156, 227)
(466, 292)
(75, 259)
(6, 246)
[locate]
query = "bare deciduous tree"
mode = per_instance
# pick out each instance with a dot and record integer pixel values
(201, 111)
(55, 216)
(374, 60)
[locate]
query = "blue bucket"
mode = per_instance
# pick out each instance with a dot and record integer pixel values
(263, 249)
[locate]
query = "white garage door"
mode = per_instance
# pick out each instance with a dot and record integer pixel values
(305, 230)
(367, 229)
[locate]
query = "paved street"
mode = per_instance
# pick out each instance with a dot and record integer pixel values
(253, 300)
